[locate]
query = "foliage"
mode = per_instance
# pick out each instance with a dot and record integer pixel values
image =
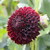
(7, 7)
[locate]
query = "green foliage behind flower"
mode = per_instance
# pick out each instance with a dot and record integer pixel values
(7, 7)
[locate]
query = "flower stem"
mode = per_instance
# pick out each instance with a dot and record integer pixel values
(36, 43)
(32, 45)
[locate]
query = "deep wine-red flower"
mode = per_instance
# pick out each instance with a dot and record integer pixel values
(23, 25)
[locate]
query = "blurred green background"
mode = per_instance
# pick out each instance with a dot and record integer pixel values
(7, 7)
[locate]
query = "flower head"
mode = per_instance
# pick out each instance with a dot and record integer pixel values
(23, 25)
(44, 20)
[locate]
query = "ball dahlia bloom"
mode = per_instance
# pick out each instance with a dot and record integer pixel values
(23, 25)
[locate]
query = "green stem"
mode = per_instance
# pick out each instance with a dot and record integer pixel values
(36, 8)
(32, 45)
(36, 43)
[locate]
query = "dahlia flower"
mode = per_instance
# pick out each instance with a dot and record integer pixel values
(23, 25)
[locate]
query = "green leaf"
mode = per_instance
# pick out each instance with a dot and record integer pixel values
(31, 3)
(11, 44)
(3, 21)
(2, 32)
(46, 39)
(46, 31)
(22, 5)
(19, 47)
(23, 47)
(28, 47)
(13, 5)
(6, 48)
(3, 43)
(22, 1)
(45, 7)
(44, 42)
(10, 5)
(48, 48)
(41, 45)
